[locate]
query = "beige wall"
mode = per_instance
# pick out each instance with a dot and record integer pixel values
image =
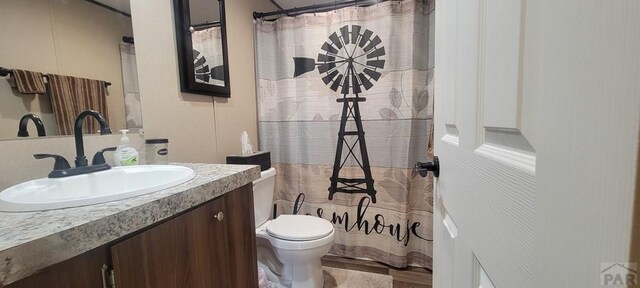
(70, 37)
(239, 113)
(18, 165)
(199, 129)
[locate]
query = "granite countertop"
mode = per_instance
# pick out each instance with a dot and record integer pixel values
(31, 241)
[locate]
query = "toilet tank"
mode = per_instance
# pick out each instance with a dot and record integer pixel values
(263, 189)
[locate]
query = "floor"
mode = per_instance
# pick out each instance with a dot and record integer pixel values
(342, 278)
(402, 278)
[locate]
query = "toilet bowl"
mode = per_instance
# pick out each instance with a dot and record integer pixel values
(290, 246)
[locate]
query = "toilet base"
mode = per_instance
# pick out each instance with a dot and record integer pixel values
(294, 274)
(308, 275)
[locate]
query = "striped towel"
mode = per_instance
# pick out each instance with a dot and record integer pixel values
(29, 82)
(72, 95)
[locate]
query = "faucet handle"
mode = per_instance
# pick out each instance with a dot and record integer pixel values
(60, 164)
(98, 158)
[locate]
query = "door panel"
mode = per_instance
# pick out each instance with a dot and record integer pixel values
(488, 187)
(537, 120)
(500, 61)
(443, 252)
(582, 71)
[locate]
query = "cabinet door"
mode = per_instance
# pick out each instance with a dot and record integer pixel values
(187, 251)
(82, 271)
(242, 237)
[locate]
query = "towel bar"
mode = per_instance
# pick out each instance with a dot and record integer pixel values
(5, 72)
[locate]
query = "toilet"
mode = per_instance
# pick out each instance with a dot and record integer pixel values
(290, 246)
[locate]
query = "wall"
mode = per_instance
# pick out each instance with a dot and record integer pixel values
(635, 233)
(18, 165)
(239, 113)
(189, 121)
(71, 37)
(200, 128)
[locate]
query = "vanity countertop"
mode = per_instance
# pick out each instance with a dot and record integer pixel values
(31, 241)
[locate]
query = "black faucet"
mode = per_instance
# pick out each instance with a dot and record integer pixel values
(61, 167)
(22, 128)
(81, 159)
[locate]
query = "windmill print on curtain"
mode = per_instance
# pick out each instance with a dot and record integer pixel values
(314, 73)
(208, 58)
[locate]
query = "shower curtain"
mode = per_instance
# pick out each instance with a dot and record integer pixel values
(303, 67)
(132, 105)
(208, 57)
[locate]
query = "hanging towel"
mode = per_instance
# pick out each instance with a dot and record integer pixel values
(28, 82)
(72, 95)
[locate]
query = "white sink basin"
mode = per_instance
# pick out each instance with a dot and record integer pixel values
(94, 188)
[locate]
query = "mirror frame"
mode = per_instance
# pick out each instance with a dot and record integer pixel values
(185, 52)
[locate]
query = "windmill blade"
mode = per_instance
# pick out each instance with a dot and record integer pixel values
(355, 32)
(199, 61)
(375, 75)
(376, 63)
(372, 44)
(336, 40)
(203, 77)
(328, 48)
(303, 65)
(365, 37)
(376, 53)
(326, 58)
(196, 53)
(203, 70)
(217, 72)
(365, 81)
(329, 77)
(345, 34)
(326, 67)
(336, 83)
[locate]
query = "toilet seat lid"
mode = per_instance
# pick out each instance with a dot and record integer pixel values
(299, 227)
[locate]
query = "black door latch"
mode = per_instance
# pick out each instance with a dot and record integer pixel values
(433, 166)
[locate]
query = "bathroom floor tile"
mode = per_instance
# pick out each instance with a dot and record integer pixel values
(411, 277)
(342, 278)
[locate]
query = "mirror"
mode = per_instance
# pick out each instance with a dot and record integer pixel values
(202, 47)
(81, 41)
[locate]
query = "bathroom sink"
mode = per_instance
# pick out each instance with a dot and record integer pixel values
(94, 188)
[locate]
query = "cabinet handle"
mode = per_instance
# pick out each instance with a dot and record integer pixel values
(219, 216)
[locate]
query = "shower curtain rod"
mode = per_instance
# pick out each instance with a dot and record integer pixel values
(315, 8)
(203, 26)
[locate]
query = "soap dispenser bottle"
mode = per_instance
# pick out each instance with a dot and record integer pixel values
(125, 155)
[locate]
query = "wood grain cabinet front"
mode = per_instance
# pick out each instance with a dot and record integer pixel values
(187, 251)
(210, 246)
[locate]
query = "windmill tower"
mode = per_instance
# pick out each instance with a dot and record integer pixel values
(349, 62)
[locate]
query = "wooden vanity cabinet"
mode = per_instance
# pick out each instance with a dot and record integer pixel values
(187, 251)
(212, 245)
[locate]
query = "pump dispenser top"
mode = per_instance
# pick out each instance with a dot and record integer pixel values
(125, 155)
(124, 139)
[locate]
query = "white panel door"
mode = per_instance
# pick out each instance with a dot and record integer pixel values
(531, 97)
